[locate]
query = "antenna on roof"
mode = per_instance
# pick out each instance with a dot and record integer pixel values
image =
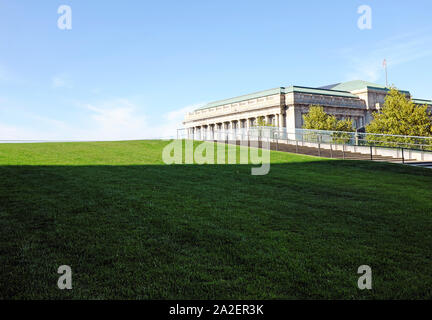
(385, 67)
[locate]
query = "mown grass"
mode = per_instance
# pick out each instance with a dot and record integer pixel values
(131, 227)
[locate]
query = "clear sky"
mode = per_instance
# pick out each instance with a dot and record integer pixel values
(131, 69)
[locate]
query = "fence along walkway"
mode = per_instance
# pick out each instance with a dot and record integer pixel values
(343, 145)
(325, 153)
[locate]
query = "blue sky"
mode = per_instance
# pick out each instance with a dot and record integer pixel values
(131, 69)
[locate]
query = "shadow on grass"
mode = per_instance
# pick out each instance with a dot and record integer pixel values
(216, 231)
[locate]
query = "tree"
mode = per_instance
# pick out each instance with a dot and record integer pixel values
(261, 122)
(343, 125)
(317, 119)
(400, 116)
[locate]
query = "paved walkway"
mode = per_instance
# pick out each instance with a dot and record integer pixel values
(325, 153)
(421, 164)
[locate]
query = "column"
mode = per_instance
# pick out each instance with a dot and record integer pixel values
(212, 132)
(268, 119)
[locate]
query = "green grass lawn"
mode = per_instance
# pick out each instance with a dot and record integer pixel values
(132, 227)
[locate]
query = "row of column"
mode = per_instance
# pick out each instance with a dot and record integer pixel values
(198, 132)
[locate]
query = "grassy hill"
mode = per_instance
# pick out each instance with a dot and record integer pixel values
(132, 227)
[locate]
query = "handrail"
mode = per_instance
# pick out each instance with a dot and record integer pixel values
(417, 143)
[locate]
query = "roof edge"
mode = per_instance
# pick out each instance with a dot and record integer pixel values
(243, 97)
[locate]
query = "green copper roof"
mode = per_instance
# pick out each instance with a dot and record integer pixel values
(319, 91)
(279, 90)
(355, 85)
(422, 101)
(343, 89)
(249, 96)
(358, 85)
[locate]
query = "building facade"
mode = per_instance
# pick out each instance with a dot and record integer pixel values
(285, 107)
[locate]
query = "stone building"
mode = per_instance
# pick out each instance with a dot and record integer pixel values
(285, 106)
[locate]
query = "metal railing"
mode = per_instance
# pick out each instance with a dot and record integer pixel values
(316, 137)
(366, 139)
